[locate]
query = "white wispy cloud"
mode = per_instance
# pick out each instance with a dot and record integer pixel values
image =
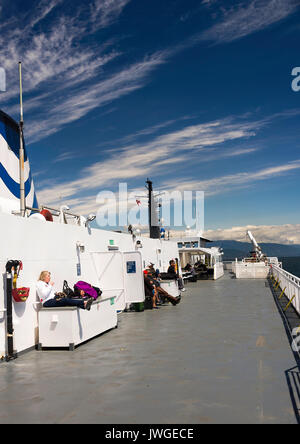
(105, 12)
(249, 17)
(223, 184)
(78, 103)
(67, 155)
(53, 56)
(40, 12)
(281, 234)
(140, 159)
(64, 80)
(196, 144)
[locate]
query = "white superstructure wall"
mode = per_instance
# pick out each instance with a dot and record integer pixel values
(54, 247)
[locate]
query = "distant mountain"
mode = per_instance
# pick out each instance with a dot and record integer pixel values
(235, 249)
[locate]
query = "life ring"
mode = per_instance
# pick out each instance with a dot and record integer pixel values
(47, 215)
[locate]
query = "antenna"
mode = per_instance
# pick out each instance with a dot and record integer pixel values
(21, 150)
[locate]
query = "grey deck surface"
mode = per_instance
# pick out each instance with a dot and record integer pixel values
(220, 356)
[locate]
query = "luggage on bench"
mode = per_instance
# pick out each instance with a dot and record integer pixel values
(89, 290)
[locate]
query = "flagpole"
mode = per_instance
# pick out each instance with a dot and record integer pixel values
(21, 150)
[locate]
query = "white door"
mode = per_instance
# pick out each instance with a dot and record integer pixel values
(110, 274)
(133, 277)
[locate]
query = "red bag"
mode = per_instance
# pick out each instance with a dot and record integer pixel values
(20, 294)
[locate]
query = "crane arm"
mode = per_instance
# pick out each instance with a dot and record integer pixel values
(255, 244)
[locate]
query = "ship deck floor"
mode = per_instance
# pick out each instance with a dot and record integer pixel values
(221, 356)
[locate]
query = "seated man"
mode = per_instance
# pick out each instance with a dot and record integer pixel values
(188, 268)
(160, 292)
(163, 294)
(191, 273)
(202, 269)
(199, 266)
(173, 274)
(150, 290)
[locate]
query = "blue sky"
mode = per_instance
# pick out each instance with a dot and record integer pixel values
(194, 94)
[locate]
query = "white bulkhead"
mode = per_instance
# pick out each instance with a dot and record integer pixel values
(70, 252)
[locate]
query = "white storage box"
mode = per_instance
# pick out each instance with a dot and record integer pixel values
(70, 326)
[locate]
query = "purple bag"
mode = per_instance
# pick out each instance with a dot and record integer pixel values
(87, 288)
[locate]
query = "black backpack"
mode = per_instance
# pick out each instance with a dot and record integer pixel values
(68, 291)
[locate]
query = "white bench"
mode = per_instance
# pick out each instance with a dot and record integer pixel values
(70, 326)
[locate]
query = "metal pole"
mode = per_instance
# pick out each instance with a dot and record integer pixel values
(10, 265)
(9, 318)
(149, 183)
(153, 227)
(21, 151)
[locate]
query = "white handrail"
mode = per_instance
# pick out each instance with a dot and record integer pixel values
(289, 283)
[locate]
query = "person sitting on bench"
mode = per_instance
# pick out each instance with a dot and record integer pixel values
(191, 274)
(150, 290)
(174, 275)
(153, 275)
(190, 269)
(50, 298)
(201, 269)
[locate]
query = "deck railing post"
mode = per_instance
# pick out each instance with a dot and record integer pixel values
(282, 293)
(289, 303)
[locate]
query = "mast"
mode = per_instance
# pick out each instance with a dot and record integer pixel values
(21, 150)
(153, 219)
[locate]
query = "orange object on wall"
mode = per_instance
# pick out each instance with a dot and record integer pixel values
(20, 294)
(47, 215)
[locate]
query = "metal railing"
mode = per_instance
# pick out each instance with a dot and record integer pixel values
(54, 211)
(289, 284)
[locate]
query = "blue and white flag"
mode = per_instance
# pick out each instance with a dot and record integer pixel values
(10, 169)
